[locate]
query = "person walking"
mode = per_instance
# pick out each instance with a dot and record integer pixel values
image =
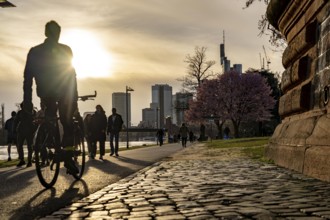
(25, 130)
(98, 129)
(184, 134)
(11, 133)
(115, 125)
(88, 134)
(160, 136)
(191, 137)
(226, 132)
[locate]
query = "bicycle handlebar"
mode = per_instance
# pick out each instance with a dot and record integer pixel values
(87, 97)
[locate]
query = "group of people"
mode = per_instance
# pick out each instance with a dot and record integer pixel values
(20, 128)
(97, 126)
(183, 135)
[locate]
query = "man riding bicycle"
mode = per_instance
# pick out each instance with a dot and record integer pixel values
(50, 65)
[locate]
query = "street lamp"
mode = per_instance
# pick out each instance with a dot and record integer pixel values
(157, 109)
(128, 89)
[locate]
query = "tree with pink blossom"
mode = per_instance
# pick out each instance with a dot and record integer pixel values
(235, 97)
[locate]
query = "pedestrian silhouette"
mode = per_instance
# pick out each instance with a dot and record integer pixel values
(184, 134)
(11, 133)
(98, 131)
(25, 131)
(160, 136)
(115, 124)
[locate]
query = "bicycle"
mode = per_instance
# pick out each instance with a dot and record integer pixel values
(49, 154)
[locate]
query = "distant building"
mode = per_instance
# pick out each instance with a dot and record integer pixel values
(162, 102)
(238, 68)
(119, 102)
(180, 105)
(225, 62)
(148, 118)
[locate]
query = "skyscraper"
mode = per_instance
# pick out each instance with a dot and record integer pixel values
(224, 62)
(162, 101)
(119, 102)
(180, 105)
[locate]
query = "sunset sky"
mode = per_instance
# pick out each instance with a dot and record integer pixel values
(137, 43)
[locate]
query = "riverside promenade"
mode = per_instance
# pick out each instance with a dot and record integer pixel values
(198, 183)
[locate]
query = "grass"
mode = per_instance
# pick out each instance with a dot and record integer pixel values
(251, 147)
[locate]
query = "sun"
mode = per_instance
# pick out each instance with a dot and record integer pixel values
(90, 59)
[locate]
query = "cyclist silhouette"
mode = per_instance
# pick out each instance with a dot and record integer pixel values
(49, 64)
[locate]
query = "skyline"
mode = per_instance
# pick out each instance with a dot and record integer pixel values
(127, 43)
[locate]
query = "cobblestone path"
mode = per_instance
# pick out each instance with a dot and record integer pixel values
(201, 184)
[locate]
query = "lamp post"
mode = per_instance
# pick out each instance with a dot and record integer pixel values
(157, 109)
(128, 89)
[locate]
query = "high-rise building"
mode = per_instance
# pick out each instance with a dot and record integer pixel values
(224, 62)
(180, 105)
(162, 102)
(149, 118)
(238, 68)
(119, 102)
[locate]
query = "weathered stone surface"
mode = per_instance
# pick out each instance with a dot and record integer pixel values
(317, 162)
(302, 142)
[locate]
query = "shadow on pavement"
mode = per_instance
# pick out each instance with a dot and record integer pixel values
(46, 202)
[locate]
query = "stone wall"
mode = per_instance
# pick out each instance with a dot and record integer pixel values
(302, 141)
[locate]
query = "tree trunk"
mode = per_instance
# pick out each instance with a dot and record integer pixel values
(219, 126)
(236, 128)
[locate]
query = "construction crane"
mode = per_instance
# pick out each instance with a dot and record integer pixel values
(267, 58)
(262, 65)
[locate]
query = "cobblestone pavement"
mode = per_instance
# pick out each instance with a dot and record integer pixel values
(197, 183)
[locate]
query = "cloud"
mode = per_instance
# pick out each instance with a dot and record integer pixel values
(148, 40)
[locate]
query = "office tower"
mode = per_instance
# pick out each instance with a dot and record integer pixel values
(180, 105)
(162, 102)
(237, 68)
(119, 102)
(225, 62)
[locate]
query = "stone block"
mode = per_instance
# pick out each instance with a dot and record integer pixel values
(296, 132)
(295, 103)
(317, 163)
(300, 44)
(292, 11)
(291, 157)
(321, 132)
(285, 104)
(286, 79)
(306, 10)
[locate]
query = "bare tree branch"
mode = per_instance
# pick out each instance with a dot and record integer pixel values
(198, 69)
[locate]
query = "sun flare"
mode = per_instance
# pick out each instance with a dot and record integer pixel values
(90, 59)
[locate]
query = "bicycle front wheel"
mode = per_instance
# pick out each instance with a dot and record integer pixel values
(79, 157)
(46, 158)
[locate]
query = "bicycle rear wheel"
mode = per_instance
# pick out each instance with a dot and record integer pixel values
(79, 157)
(46, 157)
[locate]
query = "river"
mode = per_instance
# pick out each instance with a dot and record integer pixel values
(14, 155)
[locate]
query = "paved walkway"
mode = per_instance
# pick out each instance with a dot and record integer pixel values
(197, 183)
